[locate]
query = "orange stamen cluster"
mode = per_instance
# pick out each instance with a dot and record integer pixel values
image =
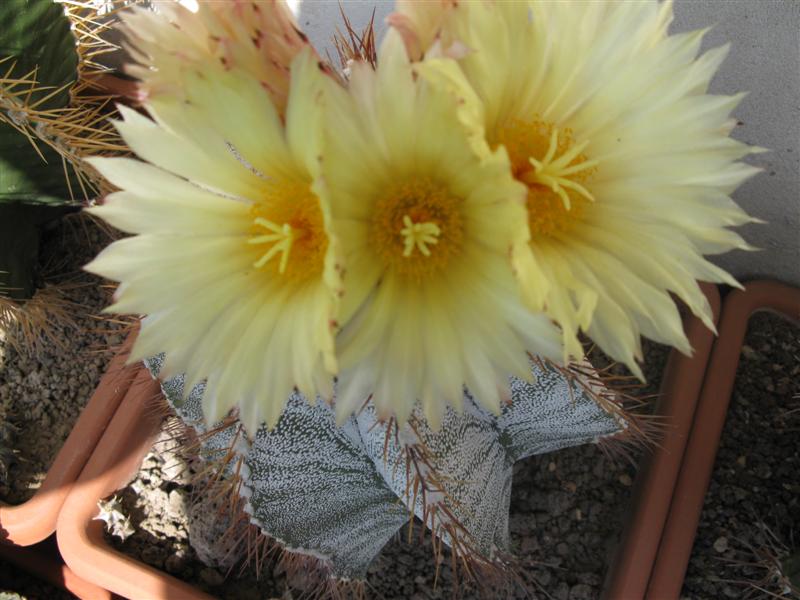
(417, 227)
(288, 232)
(555, 170)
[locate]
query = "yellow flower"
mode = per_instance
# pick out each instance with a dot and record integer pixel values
(627, 160)
(234, 263)
(257, 38)
(419, 23)
(427, 228)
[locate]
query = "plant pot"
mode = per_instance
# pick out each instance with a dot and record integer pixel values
(636, 553)
(35, 519)
(43, 561)
(680, 528)
(113, 464)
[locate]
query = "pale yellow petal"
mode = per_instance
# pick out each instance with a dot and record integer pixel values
(213, 166)
(646, 189)
(405, 340)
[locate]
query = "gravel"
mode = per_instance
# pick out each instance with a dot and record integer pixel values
(43, 394)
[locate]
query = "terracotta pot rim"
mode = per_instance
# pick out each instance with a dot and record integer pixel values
(115, 461)
(697, 466)
(43, 561)
(34, 520)
(636, 552)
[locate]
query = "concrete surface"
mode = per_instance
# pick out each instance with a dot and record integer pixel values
(764, 59)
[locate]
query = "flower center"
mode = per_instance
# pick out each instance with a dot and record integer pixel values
(416, 228)
(554, 168)
(418, 236)
(288, 231)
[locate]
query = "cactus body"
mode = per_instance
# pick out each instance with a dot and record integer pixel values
(337, 494)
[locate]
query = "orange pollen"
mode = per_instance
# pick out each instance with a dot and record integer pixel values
(288, 237)
(417, 228)
(555, 170)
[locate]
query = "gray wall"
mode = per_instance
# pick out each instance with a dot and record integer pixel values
(764, 60)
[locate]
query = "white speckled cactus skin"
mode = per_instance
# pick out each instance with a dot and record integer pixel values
(338, 494)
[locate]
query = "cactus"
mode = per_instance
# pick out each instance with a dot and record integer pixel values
(48, 122)
(117, 522)
(35, 76)
(330, 496)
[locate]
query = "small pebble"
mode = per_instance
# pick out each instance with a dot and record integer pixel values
(748, 352)
(562, 591)
(211, 577)
(721, 544)
(174, 563)
(626, 480)
(581, 591)
(177, 503)
(731, 592)
(153, 555)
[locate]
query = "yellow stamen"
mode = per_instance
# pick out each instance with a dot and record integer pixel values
(555, 169)
(281, 238)
(419, 235)
(288, 225)
(554, 173)
(410, 217)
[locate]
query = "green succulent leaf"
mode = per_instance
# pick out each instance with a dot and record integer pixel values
(39, 66)
(37, 35)
(34, 35)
